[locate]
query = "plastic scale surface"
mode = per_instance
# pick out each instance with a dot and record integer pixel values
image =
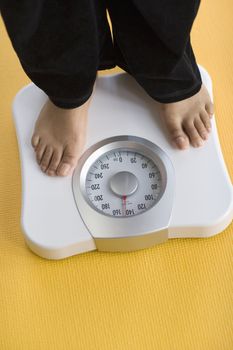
(131, 189)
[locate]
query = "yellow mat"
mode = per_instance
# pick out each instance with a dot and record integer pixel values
(178, 295)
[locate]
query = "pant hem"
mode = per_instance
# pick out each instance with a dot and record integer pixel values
(106, 65)
(177, 98)
(71, 103)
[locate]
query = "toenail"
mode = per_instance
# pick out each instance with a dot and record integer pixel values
(199, 143)
(64, 169)
(43, 168)
(211, 114)
(51, 172)
(180, 141)
(204, 136)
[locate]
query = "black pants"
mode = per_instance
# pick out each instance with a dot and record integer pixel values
(61, 45)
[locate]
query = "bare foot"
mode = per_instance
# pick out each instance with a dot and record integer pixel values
(59, 137)
(188, 121)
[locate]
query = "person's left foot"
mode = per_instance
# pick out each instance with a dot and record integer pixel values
(188, 121)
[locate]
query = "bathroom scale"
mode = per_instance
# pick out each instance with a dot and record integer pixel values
(131, 189)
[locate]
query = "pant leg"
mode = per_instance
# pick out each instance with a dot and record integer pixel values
(60, 45)
(152, 42)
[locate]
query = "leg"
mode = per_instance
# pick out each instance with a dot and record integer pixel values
(60, 45)
(153, 45)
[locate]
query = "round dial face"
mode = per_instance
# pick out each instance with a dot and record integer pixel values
(123, 183)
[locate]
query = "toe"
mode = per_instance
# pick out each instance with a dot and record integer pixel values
(181, 141)
(68, 161)
(201, 128)
(56, 158)
(192, 133)
(35, 140)
(206, 120)
(40, 151)
(209, 109)
(177, 134)
(46, 158)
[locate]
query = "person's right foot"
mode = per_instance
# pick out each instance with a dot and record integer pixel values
(59, 137)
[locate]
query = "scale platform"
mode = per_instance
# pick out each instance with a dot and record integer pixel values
(191, 190)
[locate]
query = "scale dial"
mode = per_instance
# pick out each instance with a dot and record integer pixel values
(123, 188)
(122, 183)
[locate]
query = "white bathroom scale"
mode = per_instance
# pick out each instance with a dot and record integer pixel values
(131, 188)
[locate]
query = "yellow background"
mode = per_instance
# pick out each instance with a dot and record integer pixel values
(178, 295)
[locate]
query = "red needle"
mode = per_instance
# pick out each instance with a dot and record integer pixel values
(124, 203)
